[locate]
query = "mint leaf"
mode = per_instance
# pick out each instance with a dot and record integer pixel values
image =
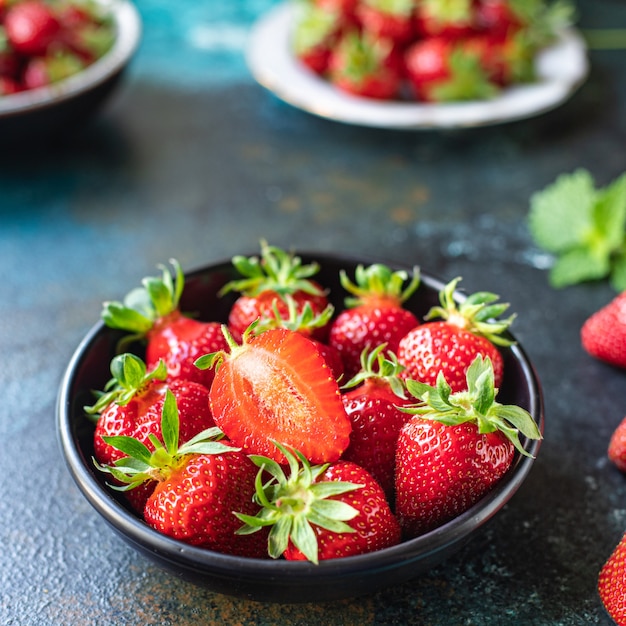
(561, 215)
(610, 214)
(618, 275)
(576, 266)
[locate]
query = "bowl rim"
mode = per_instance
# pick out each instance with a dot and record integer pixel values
(129, 27)
(136, 531)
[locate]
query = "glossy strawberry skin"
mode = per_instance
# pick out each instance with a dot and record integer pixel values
(376, 526)
(141, 417)
(279, 387)
(247, 309)
(179, 341)
(376, 423)
(603, 335)
(617, 446)
(440, 346)
(368, 326)
(441, 471)
(612, 583)
(426, 63)
(196, 504)
(31, 27)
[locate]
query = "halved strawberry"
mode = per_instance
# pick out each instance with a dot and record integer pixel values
(277, 386)
(151, 313)
(306, 322)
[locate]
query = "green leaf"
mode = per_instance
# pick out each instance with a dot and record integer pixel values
(618, 275)
(129, 446)
(562, 213)
(304, 538)
(170, 423)
(610, 215)
(578, 265)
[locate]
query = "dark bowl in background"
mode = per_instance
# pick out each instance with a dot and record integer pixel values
(278, 580)
(61, 108)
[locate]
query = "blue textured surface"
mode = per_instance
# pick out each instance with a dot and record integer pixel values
(191, 159)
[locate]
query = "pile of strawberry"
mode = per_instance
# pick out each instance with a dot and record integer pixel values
(429, 50)
(44, 41)
(299, 432)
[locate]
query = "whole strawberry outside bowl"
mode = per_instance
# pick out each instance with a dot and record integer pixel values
(279, 580)
(49, 92)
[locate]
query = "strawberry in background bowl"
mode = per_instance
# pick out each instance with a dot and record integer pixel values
(60, 60)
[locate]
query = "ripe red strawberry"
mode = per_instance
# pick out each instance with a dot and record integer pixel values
(366, 67)
(450, 345)
(199, 486)
(344, 9)
(603, 335)
(132, 403)
(451, 19)
(152, 313)
(275, 274)
(277, 386)
(44, 70)
(501, 17)
(375, 313)
(31, 27)
(322, 512)
(505, 59)
(314, 36)
(612, 583)
(617, 446)
(455, 448)
(392, 21)
(371, 400)
(442, 70)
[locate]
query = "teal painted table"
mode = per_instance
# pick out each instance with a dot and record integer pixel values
(192, 159)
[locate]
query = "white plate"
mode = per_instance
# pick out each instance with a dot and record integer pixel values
(560, 69)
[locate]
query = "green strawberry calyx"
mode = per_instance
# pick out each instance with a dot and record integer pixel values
(292, 504)
(478, 313)
(476, 405)
(378, 282)
(275, 270)
(142, 464)
(448, 11)
(306, 320)
(129, 378)
(142, 307)
(376, 364)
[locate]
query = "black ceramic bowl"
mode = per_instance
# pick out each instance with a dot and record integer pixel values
(60, 108)
(269, 580)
